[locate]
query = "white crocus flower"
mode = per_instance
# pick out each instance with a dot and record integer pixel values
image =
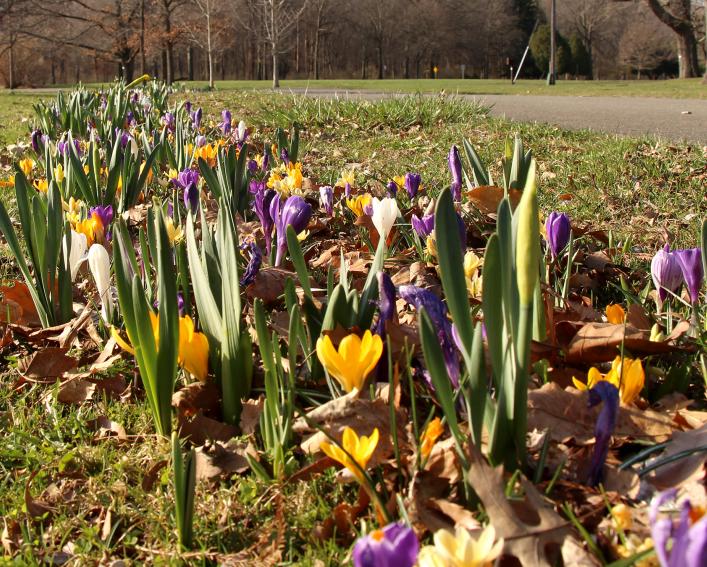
(79, 245)
(241, 130)
(385, 213)
(133, 147)
(99, 264)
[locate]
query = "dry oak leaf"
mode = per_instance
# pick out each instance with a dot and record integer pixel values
(527, 541)
(684, 469)
(214, 460)
(49, 362)
(362, 415)
(16, 305)
(487, 197)
(599, 342)
(564, 413)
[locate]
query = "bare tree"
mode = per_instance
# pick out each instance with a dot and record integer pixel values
(168, 10)
(207, 33)
(643, 46)
(677, 15)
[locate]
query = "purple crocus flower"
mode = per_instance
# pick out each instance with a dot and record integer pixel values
(559, 230)
(392, 188)
(326, 198)
(266, 161)
(195, 116)
(692, 271)
(130, 119)
(285, 156)
(180, 303)
(347, 190)
(368, 209)
(200, 141)
(185, 178)
(191, 197)
(253, 267)
(386, 301)
(666, 272)
(252, 166)
(225, 125)
(104, 212)
(262, 198)
(296, 212)
(187, 106)
(395, 545)
(437, 311)
(609, 394)
(36, 140)
(689, 541)
(412, 184)
(423, 226)
(455, 168)
(168, 120)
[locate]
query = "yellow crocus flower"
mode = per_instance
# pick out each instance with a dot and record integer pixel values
(59, 173)
(628, 376)
(357, 204)
(615, 314)
(174, 232)
(360, 448)
(354, 361)
(41, 185)
(471, 270)
(347, 176)
(399, 180)
(147, 181)
(459, 549)
(432, 432)
(27, 165)
(193, 351)
(92, 227)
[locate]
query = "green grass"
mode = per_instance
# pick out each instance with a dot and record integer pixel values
(635, 187)
(673, 88)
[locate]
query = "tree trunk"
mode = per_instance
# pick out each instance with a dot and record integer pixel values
(275, 74)
(316, 54)
(687, 48)
(190, 63)
(11, 65)
(380, 58)
(142, 38)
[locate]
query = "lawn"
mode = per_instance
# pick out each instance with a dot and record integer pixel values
(672, 88)
(96, 496)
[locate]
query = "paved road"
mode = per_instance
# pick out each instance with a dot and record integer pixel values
(668, 119)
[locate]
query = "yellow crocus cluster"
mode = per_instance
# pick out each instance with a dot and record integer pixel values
(472, 263)
(174, 231)
(286, 179)
(207, 152)
(354, 361)
(357, 204)
(41, 185)
(627, 375)
(360, 450)
(92, 227)
(193, 350)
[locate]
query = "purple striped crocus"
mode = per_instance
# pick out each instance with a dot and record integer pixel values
(262, 198)
(692, 271)
(412, 184)
(681, 543)
(666, 272)
(455, 168)
(395, 545)
(296, 212)
(225, 124)
(253, 267)
(386, 302)
(326, 198)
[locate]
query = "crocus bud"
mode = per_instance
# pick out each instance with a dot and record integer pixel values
(347, 190)
(187, 106)
(605, 392)
(558, 229)
(392, 189)
(666, 272)
(196, 118)
(385, 213)
(225, 122)
(692, 271)
(187, 177)
(455, 168)
(527, 242)
(326, 198)
(200, 141)
(99, 264)
(36, 140)
(266, 161)
(386, 301)
(76, 256)
(256, 259)
(242, 131)
(412, 184)
(262, 199)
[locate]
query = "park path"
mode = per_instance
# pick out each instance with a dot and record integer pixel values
(668, 119)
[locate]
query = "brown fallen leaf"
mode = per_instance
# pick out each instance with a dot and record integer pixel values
(269, 285)
(599, 342)
(16, 305)
(76, 391)
(215, 460)
(36, 508)
(250, 415)
(199, 429)
(680, 471)
(529, 542)
(148, 481)
(106, 428)
(198, 397)
(487, 197)
(564, 413)
(49, 362)
(11, 537)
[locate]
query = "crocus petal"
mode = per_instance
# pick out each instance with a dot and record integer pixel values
(99, 264)
(77, 255)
